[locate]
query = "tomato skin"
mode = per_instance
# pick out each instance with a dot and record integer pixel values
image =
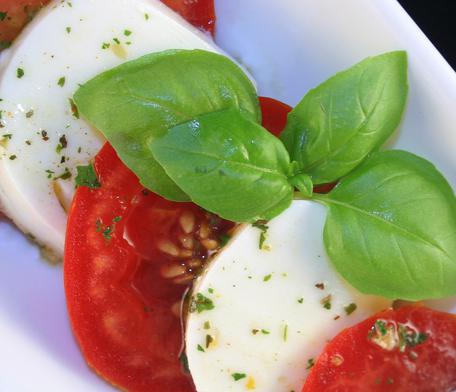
(352, 362)
(200, 13)
(274, 114)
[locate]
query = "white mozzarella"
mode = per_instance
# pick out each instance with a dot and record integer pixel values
(66, 41)
(269, 317)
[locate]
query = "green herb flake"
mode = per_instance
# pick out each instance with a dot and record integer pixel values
(61, 81)
(224, 239)
(74, 108)
(184, 362)
(210, 290)
(267, 278)
(349, 309)
(49, 173)
(127, 33)
(13, 157)
(200, 348)
(3, 16)
(209, 340)
(326, 302)
(301, 300)
(29, 114)
(20, 73)
(285, 333)
(86, 176)
(201, 303)
(238, 376)
(265, 332)
(68, 29)
(5, 44)
(409, 338)
(116, 40)
(207, 325)
(310, 363)
(381, 327)
(105, 45)
(146, 16)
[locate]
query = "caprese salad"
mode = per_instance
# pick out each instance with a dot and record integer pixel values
(217, 240)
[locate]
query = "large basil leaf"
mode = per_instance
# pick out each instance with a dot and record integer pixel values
(139, 100)
(228, 165)
(391, 228)
(337, 124)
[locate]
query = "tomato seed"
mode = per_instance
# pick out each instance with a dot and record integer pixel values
(169, 248)
(176, 308)
(187, 221)
(194, 263)
(172, 270)
(204, 231)
(185, 253)
(184, 279)
(210, 244)
(186, 241)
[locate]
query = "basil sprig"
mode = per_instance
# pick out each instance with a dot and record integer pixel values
(141, 99)
(337, 124)
(186, 122)
(391, 228)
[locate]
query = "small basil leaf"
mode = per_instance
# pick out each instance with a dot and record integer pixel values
(337, 124)
(303, 183)
(391, 228)
(87, 177)
(228, 165)
(139, 100)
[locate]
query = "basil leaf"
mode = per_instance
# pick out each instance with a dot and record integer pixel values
(139, 100)
(391, 228)
(337, 124)
(228, 165)
(303, 183)
(87, 177)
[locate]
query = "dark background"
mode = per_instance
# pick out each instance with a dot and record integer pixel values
(437, 19)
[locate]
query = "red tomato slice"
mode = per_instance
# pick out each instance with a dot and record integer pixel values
(274, 114)
(130, 257)
(409, 349)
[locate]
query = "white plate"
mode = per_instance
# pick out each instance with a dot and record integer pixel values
(289, 46)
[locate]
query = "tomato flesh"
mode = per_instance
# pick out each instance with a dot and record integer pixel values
(412, 348)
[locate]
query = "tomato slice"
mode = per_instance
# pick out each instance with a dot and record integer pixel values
(14, 14)
(274, 114)
(409, 349)
(130, 257)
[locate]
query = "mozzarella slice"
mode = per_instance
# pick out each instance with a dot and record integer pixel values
(40, 139)
(274, 309)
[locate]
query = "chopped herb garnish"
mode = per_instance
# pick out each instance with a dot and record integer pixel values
(265, 332)
(13, 157)
(255, 331)
(350, 309)
(207, 325)
(3, 16)
(7, 136)
(184, 361)
(106, 231)
(127, 33)
(116, 40)
(267, 278)
(64, 176)
(29, 113)
(301, 300)
(209, 340)
(5, 44)
(238, 376)
(117, 219)
(201, 303)
(389, 380)
(87, 177)
(224, 239)
(105, 45)
(310, 363)
(381, 326)
(146, 16)
(49, 173)
(20, 73)
(210, 290)
(326, 302)
(44, 135)
(200, 348)
(28, 142)
(74, 109)
(320, 286)
(61, 81)
(409, 337)
(68, 29)
(285, 333)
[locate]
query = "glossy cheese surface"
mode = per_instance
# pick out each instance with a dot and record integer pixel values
(41, 140)
(274, 309)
